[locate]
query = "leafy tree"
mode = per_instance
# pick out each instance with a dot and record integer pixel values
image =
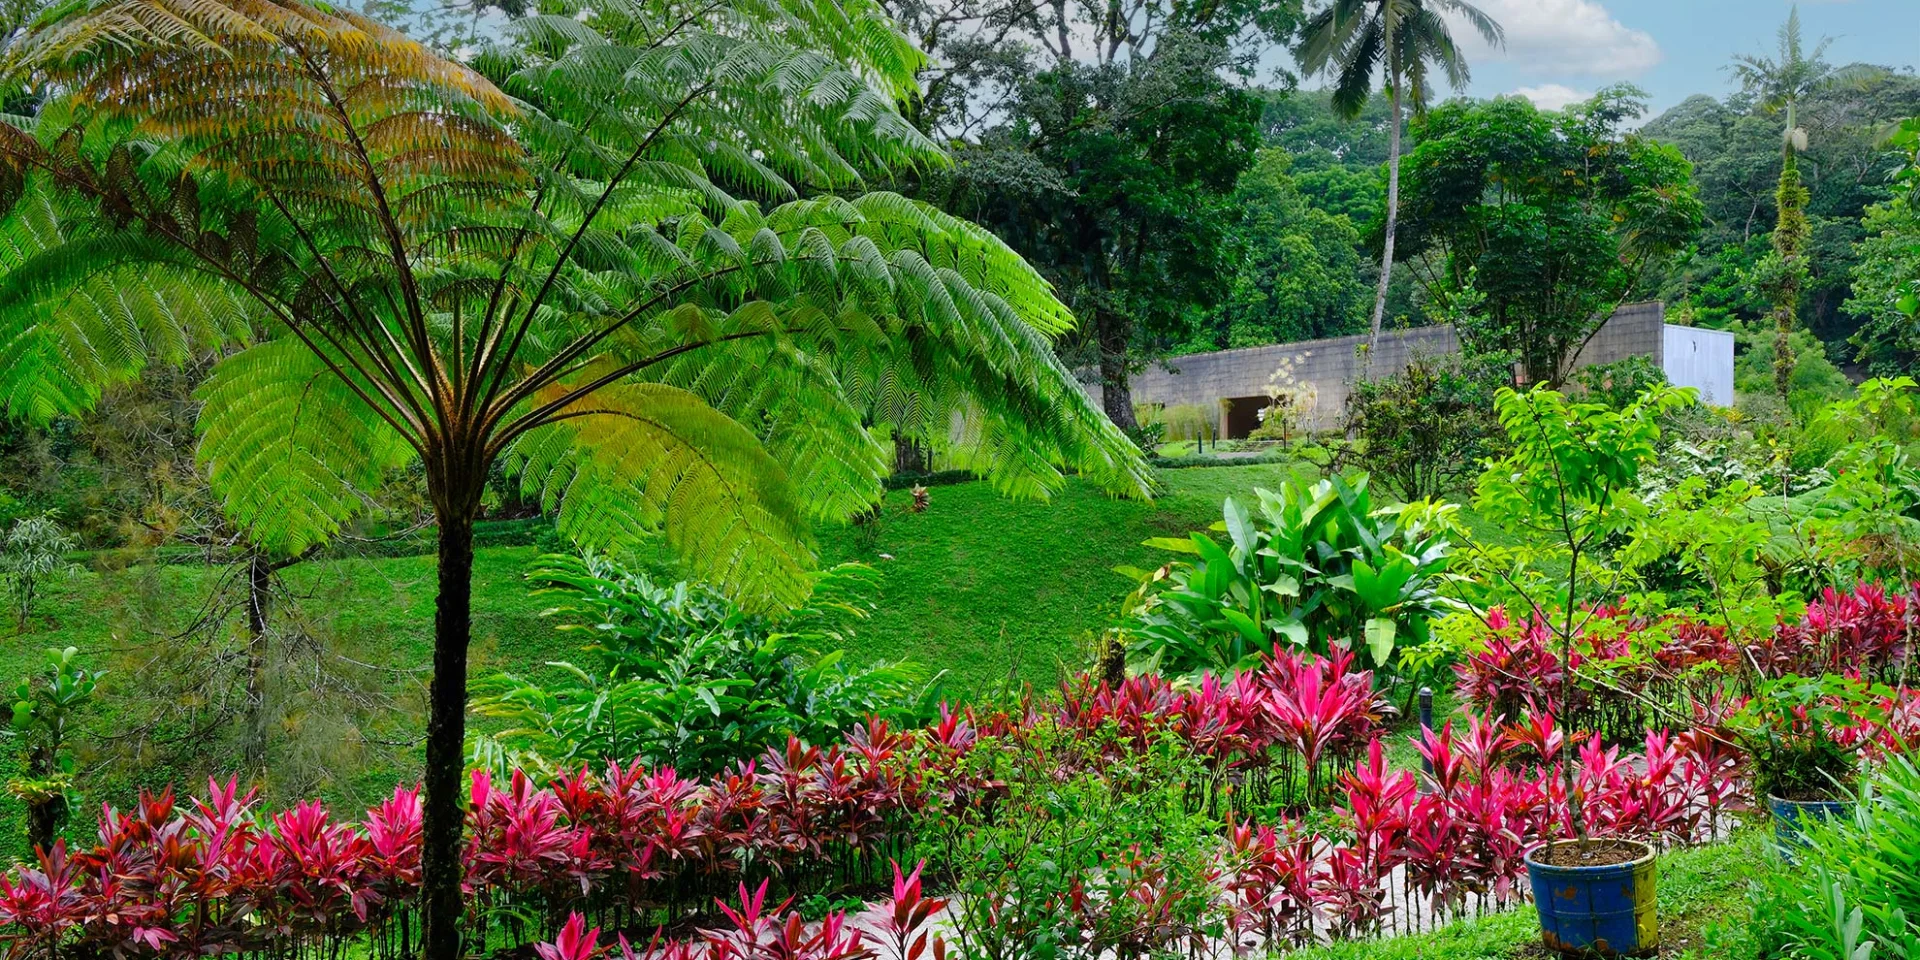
(1102, 141)
(1295, 269)
(1886, 281)
(1557, 218)
(1353, 41)
(558, 262)
(1310, 129)
(1568, 485)
(1131, 216)
(35, 548)
(1423, 430)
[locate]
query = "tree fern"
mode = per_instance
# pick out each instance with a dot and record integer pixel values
(625, 254)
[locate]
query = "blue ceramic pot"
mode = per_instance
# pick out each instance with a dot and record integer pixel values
(1597, 911)
(1788, 815)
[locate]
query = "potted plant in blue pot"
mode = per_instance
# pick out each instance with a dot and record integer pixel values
(1801, 769)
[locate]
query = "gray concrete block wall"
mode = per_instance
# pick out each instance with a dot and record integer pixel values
(1332, 365)
(1634, 330)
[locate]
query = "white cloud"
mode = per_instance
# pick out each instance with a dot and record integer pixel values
(1552, 96)
(1561, 37)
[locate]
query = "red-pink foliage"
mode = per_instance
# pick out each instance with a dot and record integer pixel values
(1866, 630)
(222, 877)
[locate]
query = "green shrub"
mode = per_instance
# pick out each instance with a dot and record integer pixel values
(685, 677)
(1856, 892)
(1313, 565)
(1421, 432)
(1621, 382)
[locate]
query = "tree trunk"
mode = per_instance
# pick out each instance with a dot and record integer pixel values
(44, 817)
(1116, 392)
(1783, 352)
(908, 455)
(1393, 223)
(259, 583)
(444, 808)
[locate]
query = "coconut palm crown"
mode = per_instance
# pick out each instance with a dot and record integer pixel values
(1354, 41)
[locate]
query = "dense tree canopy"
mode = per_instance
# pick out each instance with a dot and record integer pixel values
(1295, 270)
(1734, 146)
(1557, 218)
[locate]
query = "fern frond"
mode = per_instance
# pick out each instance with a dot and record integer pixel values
(289, 447)
(638, 459)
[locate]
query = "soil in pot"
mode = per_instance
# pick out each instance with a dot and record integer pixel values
(1811, 795)
(1593, 853)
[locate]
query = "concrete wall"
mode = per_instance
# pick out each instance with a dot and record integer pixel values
(1634, 330)
(1229, 377)
(1207, 379)
(1701, 359)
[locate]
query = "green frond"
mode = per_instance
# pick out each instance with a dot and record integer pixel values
(288, 447)
(80, 313)
(640, 459)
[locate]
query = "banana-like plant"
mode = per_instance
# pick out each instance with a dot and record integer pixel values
(1317, 565)
(625, 255)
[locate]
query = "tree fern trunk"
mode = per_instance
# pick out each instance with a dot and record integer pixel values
(443, 809)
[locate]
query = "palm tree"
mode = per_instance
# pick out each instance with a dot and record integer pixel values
(625, 258)
(1778, 84)
(1353, 41)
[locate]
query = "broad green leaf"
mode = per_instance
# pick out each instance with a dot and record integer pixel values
(1176, 544)
(1240, 528)
(1295, 631)
(1244, 625)
(1380, 633)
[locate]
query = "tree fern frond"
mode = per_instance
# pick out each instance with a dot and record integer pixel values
(645, 458)
(289, 447)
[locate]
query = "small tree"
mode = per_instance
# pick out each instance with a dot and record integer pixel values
(36, 548)
(1291, 401)
(1569, 483)
(1423, 431)
(1352, 40)
(42, 714)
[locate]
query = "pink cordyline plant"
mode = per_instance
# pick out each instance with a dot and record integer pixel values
(220, 877)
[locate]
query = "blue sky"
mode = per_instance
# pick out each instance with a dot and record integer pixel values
(1561, 50)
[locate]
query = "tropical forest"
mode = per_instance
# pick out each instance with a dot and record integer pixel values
(959, 479)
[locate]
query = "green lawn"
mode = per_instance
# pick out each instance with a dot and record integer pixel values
(987, 589)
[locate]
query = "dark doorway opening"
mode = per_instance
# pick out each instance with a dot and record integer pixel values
(1243, 416)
